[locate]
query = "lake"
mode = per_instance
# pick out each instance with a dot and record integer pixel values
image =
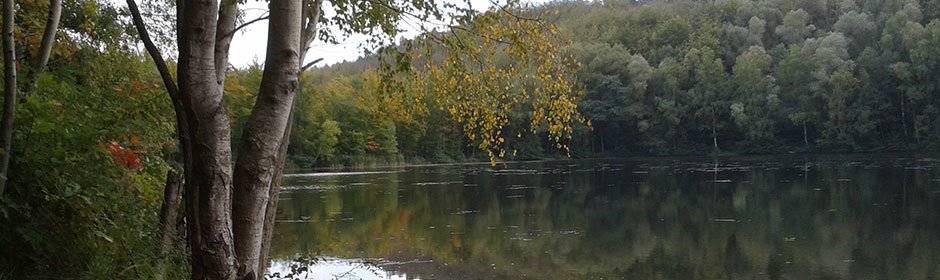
(772, 217)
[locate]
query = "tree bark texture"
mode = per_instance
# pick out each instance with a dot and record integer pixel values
(169, 215)
(9, 92)
(311, 14)
(230, 218)
(225, 31)
(45, 48)
(259, 153)
(209, 168)
(9, 109)
(169, 211)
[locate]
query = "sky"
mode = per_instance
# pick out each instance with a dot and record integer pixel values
(248, 46)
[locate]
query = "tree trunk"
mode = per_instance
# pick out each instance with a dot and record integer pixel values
(170, 218)
(169, 211)
(224, 247)
(169, 215)
(311, 13)
(182, 129)
(805, 138)
(209, 168)
(903, 118)
(270, 210)
(9, 92)
(45, 48)
(9, 110)
(714, 138)
(225, 31)
(259, 151)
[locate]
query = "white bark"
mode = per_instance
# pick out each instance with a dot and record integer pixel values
(258, 153)
(9, 92)
(208, 178)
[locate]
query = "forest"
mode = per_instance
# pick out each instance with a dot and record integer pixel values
(95, 136)
(680, 78)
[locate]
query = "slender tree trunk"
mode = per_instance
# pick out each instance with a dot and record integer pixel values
(259, 151)
(169, 215)
(903, 119)
(182, 129)
(225, 31)
(714, 138)
(805, 137)
(9, 92)
(9, 109)
(169, 211)
(170, 218)
(45, 48)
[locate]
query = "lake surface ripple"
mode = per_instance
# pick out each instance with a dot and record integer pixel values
(774, 217)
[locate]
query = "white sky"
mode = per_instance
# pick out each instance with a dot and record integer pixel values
(249, 44)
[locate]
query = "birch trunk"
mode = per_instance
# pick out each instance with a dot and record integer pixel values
(169, 215)
(45, 48)
(714, 138)
(259, 152)
(9, 108)
(9, 92)
(208, 178)
(805, 138)
(229, 218)
(312, 16)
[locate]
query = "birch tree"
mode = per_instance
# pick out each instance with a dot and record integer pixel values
(10, 75)
(230, 201)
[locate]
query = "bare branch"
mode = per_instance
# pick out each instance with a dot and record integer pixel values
(182, 127)
(243, 25)
(152, 50)
(308, 65)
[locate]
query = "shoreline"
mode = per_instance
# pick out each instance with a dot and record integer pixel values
(806, 156)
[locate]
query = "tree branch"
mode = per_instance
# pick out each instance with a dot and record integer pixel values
(228, 14)
(182, 127)
(315, 61)
(312, 15)
(153, 51)
(243, 25)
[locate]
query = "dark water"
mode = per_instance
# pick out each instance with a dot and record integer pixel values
(787, 217)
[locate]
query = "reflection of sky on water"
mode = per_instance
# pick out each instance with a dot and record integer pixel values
(776, 217)
(339, 269)
(334, 174)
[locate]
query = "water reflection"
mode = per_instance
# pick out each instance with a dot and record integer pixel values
(753, 218)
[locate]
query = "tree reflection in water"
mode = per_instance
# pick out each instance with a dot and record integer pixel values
(676, 218)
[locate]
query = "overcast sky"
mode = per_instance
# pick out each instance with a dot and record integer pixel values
(249, 45)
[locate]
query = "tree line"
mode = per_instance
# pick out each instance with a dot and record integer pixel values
(683, 77)
(759, 76)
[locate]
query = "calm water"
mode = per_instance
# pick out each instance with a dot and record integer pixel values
(786, 217)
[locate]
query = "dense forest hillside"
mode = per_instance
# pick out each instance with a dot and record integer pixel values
(675, 77)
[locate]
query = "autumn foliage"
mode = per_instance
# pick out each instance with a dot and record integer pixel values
(123, 156)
